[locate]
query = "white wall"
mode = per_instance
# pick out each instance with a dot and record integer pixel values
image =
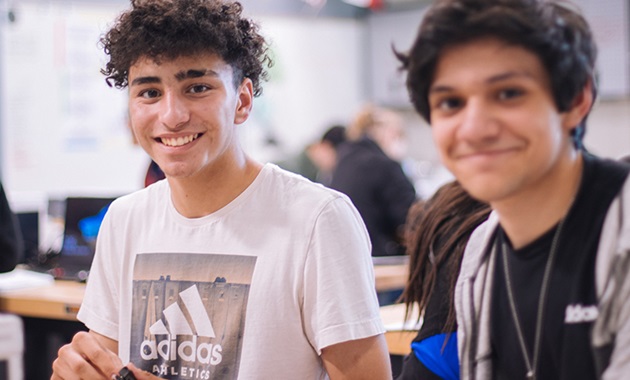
(609, 22)
(316, 81)
(386, 30)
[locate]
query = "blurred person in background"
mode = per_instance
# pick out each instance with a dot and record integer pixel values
(317, 160)
(368, 171)
(11, 243)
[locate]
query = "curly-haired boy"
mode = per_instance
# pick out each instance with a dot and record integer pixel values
(228, 268)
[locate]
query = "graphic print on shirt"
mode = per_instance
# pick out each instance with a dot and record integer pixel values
(188, 314)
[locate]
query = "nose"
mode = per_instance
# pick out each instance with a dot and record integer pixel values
(478, 123)
(174, 112)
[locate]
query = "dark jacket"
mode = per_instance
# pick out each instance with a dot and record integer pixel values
(610, 336)
(379, 189)
(11, 244)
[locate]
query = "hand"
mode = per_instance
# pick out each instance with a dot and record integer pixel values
(89, 356)
(140, 374)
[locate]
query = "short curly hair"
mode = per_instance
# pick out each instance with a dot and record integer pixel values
(168, 29)
(551, 29)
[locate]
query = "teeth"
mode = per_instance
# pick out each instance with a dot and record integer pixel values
(180, 140)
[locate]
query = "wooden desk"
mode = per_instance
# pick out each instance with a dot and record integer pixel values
(399, 332)
(49, 316)
(59, 301)
(390, 277)
(62, 300)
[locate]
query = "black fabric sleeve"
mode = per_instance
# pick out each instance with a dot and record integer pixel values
(11, 244)
(413, 369)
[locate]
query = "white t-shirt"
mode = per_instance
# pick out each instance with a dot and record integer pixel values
(254, 290)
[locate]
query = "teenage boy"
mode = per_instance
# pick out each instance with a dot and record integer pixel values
(228, 268)
(543, 291)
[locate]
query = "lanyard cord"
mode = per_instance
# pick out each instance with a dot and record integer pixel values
(531, 364)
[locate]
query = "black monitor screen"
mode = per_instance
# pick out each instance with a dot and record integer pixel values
(83, 217)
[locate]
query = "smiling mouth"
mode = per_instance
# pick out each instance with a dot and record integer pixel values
(178, 141)
(485, 153)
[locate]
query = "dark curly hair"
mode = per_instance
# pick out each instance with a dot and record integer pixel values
(554, 32)
(168, 29)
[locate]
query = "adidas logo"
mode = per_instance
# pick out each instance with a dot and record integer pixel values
(192, 350)
(580, 314)
(178, 325)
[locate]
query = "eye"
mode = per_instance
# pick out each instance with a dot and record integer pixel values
(448, 104)
(510, 93)
(149, 94)
(198, 88)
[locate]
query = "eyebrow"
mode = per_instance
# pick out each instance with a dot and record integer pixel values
(180, 76)
(193, 73)
(491, 80)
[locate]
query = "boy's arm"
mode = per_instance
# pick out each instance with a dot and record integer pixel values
(619, 365)
(366, 358)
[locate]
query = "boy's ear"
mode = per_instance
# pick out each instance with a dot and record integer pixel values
(580, 108)
(245, 94)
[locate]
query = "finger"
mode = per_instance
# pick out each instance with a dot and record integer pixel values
(101, 358)
(71, 365)
(85, 358)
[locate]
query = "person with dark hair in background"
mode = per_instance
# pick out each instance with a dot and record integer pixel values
(227, 268)
(11, 242)
(368, 172)
(318, 160)
(324, 153)
(543, 290)
(437, 231)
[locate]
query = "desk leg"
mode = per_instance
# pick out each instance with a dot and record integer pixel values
(42, 340)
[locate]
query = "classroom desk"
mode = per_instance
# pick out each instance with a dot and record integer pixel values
(49, 316)
(399, 332)
(60, 301)
(390, 277)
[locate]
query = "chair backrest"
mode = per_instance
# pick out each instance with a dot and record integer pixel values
(11, 347)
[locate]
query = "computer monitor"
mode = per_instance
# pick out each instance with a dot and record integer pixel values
(82, 221)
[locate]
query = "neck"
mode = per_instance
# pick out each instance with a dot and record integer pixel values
(528, 215)
(214, 188)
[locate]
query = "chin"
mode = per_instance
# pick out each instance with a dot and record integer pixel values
(483, 190)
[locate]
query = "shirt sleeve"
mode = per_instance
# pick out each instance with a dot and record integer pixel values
(339, 302)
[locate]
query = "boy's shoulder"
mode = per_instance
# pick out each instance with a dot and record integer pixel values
(291, 187)
(145, 197)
